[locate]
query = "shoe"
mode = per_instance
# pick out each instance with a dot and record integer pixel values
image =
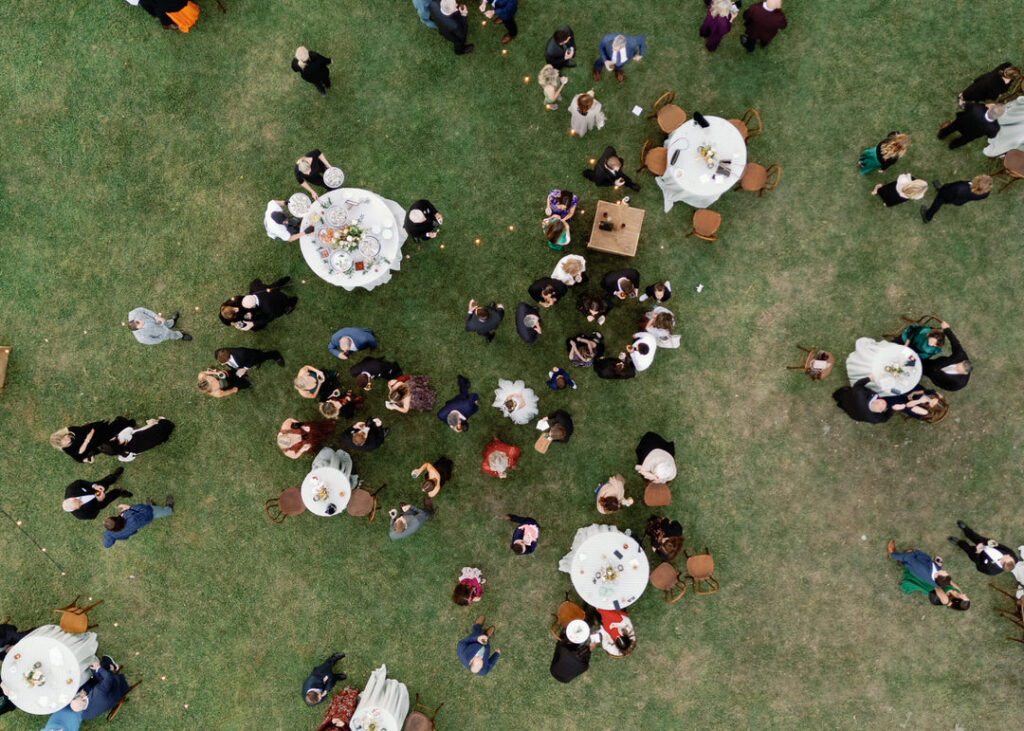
(890, 548)
(117, 473)
(479, 620)
(341, 676)
(938, 135)
(169, 502)
(937, 560)
(497, 21)
(467, 49)
(936, 184)
(489, 631)
(127, 494)
(175, 316)
(924, 214)
(952, 540)
(279, 360)
(506, 38)
(597, 75)
(961, 525)
(337, 656)
(569, 64)
(619, 75)
(634, 187)
(186, 337)
(112, 661)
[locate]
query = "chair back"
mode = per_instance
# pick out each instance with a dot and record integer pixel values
(705, 224)
(665, 577)
(567, 612)
(700, 569)
(1013, 168)
(653, 158)
(289, 502)
(751, 120)
(74, 619)
(5, 354)
(817, 364)
(363, 503)
(124, 699)
(418, 720)
(667, 98)
(657, 495)
(671, 118)
(772, 177)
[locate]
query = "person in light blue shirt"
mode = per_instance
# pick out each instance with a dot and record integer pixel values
(151, 329)
(350, 340)
(423, 10)
(66, 719)
(410, 520)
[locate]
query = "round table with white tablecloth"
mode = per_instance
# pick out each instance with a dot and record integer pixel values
(383, 704)
(894, 369)
(608, 568)
(368, 259)
(63, 662)
(703, 162)
(325, 486)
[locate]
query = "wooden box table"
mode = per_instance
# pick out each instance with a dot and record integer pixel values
(625, 234)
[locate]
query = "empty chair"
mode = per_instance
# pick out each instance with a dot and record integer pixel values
(817, 364)
(364, 503)
(670, 116)
(705, 224)
(1013, 168)
(289, 502)
(418, 720)
(749, 125)
(657, 495)
(654, 159)
(124, 699)
(1015, 615)
(699, 570)
(567, 612)
(74, 619)
(666, 578)
(758, 179)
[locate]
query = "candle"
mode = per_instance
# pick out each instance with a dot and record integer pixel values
(504, 51)
(592, 161)
(511, 228)
(476, 241)
(526, 79)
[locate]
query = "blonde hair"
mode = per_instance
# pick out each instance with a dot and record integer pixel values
(284, 441)
(61, 438)
(498, 461)
(981, 184)
(548, 76)
(302, 56)
(572, 267)
(913, 189)
(894, 146)
(721, 8)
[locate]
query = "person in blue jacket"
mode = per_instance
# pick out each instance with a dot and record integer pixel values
(474, 649)
(505, 10)
(350, 340)
(133, 518)
(614, 52)
(457, 410)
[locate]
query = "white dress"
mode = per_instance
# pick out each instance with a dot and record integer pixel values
(1011, 130)
(563, 276)
(583, 123)
(518, 389)
(664, 337)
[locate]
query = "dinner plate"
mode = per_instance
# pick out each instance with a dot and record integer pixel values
(336, 216)
(341, 261)
(369, 246)
(334, 177)
(324, 235)
(298, 204)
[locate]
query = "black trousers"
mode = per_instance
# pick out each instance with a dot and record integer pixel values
(965, 137)
(510, 25)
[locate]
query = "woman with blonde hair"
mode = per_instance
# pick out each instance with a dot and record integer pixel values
(552, 83)
(905, 187)
(312, 67)
(82, 443)
(586, 113)
(569, 269)
(218, 384)
(718, 22)
(314, 383)
(885, 153)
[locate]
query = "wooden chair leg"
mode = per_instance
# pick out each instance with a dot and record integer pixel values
(221, 6)
(373, 510)
(1014, 639)
(124, 698)
(1004, 593)
(85, 610)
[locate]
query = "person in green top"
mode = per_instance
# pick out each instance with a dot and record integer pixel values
(923, 340)
(556, 231)
(921, 573)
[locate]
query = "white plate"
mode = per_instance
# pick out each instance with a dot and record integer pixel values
(298, 204)
(369, 246)
(683, 144)
(336, 216)
(388, 233)
(333, 177)
(341, 261)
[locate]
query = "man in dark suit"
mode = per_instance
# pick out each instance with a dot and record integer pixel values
(861, 403)
(242, 359)
(621, 283)
(989, 556)
(528, 323)
(615, 50)
(85, 500)
(763, 21)
(561, 48)
(614, 368)
(608, 171)
(976, 120)
(102, 691)
(949, 372)
(958, 193)
(450, 18)
(370, 368)
(364, 436)
(484, 320)
(546, 291)
(457, 410)
(321, 680)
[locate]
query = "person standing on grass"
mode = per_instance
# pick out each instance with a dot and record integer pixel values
(976, 120)
(503, 12)
(422, 220)
(484, 320)
(309, 171)
(296, 438)
(264, 304)
(607, 171)
(524, 537)
(321, 679)
(561, 49)
(133, 518)
(615, 50)
(718, 22)
(85, 500)
(365, 371)
(905, 188)
(546, 291)
(528, 324)
(450, 19)
(82, 443)
(457, 410)
(989, 556)
(349, 340)
(279, 225)
(410, 519)
(571, 659)
(312, 67)
(474, 649)
(949, 372)
(470, 588)
(885, 154)
(762, 21)
(423, 11)
(991, 85)
(958, 193)
(585, 113)
(364, 436)
(150, 329)
(243, 359)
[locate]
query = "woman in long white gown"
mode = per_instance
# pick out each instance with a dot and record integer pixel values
(515, 401)
(1011, 130)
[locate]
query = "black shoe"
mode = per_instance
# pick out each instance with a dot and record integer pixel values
(468, 49)
(337, 656)
(111, 661)
(169, 502)
(924, 214)
(279, 360)
(569, 64)
(186, 337)
(961, 525)
(341, 676)
(936, 184)
(953, 540)
(117, 473)
(175, 316)
(488, 337)
(634, 187)
(127, 494)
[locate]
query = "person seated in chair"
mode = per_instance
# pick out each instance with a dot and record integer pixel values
(950, 372)
(666, 536)
(102, 691)
(861, 403)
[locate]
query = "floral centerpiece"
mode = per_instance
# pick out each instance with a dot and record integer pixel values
(35, 676)
(346, 237)
(609, 574)
(708, 154)
(895, 369)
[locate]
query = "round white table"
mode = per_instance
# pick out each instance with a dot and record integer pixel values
(894, 369)
(688, 178)
(383, 704)
(63, 660)
(608, 568)
(325, 486)
(381, 222)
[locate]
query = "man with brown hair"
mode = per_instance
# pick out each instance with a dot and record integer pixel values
(484, 320)
(607, 171)
(132, 518)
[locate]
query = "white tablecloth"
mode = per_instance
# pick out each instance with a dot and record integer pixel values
(339, 491)
(608, 569)
(383, 702)
(689, 179)
(378, 218)
(63, 660)
(872, 358)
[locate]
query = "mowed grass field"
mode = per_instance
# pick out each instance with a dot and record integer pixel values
(136, 164)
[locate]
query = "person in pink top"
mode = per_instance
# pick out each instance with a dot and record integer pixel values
(470, 587)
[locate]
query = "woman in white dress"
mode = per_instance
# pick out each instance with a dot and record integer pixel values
(515, 401)
(1011, 130)
(659, 322)
(586, 113)
(569, 269)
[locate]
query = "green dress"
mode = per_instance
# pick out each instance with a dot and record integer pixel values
(913, 583)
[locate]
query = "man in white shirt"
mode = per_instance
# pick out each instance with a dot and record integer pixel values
(989, 556)
(276, 222)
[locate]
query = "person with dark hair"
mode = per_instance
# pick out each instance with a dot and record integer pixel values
(474, 649)
(242, 359)
(989, 556)
(762, 21)
(976, 120)
(614, 368)
(556, 233)
(610, 495)
(524, 537)
(558, 425)
(621, 283)
(309, 171)
(561, 48)
(571, 660)
(131, 442)
(470, 587)
(583, 349)
(861, 403)
(341, 405)
(102, 691)
(349, 340)
(559, 379)
(422, 220)
(924, 340)
(410, 392)
(256, 310)
(280, 225)
(410, 519)
(528, 324)
(957, 193)
(439, 472)
(594, 306)
(321, 679)
(922, 404)
(296, 438)
(950, 372)
(313, 68)
(608, 171)
(9, 637)
(666, 536)
(457, 410)
(149, 328)
(503, 12)
(484, 320)
(926, 575)
(655, 458)
(561, 203)
(340, 710)
(618, 628)
(546, 291)
(364, 436)
(133, 518)
(172, 14)
(990, 86)
(660, 291)
(369, 368)
(82, 443)
(641, 351)
(450, 18)
(85, 500)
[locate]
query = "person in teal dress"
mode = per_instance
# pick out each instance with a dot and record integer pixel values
(923, 340)
(884, 154)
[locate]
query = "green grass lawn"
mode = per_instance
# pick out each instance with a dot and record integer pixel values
(136, 165)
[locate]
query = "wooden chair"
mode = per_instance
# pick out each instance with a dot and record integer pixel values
(5, 355)
(657, 495)
(670, 117)
(1015, 615)
(744, 124)
(1013, 168)
(289, 502)
(758, 179)
(567, 612)
(417, 720)
(817, 365)
(705, 224)
(666, 578)
(363, 503)
(928, 320)
(699, 570)
(75, 619)
(124, 699)
(654, 159)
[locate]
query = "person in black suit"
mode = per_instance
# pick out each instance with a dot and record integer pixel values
(85, 500)
(263, 304)
(528, 323)
(989, 556)
(621, 283)
(560, 419)
(102, 691)
(958, 193)
(614, 368)
(242, 359)
(370, 368)
(571, 660)
(450, 18)
(484, 320)
(990, 86)
(607, 171)
(862, 404)
(364, 436)
(422, 220)
(546, 291)
(561, 48)
(312, 67)
(949, 372)
(321, 679)
(976, 120)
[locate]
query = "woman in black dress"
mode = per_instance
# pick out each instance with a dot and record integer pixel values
(422, 220)
(254, 311)
(153, 434)
(309, 170)
(990, 86)
(82, 443)
(905, 187)
(312, 67)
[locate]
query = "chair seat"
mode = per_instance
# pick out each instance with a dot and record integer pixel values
(664, 577)
(657, 160)
(1014, 162)
(657, 495)
(706, 222)
(671, 117)
(360, 503)
(754, 177)
(700, 567)
(417, 721)
(74, 624)
(290, 501)
(740, 127)
(568, 611)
